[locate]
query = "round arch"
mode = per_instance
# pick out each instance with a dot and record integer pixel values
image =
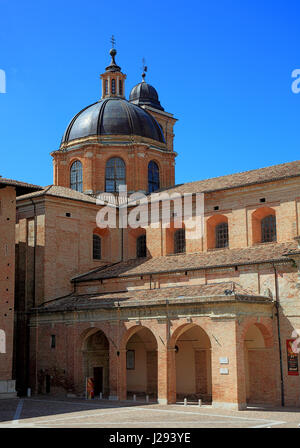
(95, 358)
(141, 345)
(260, 364)
(192, 362)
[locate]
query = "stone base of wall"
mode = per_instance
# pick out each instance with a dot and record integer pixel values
(7, 389)
(229, 406)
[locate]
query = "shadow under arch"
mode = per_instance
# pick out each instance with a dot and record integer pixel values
(140, 345)
(260, 364)
(264, 330)
(95, 358)
(192, 362)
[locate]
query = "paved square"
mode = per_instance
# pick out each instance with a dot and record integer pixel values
(45, 412)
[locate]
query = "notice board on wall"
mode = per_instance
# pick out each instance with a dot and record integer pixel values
(292, 358)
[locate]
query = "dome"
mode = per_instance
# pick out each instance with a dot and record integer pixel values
(113, 116)
(144, 94)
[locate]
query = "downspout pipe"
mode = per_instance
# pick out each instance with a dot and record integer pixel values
(278, 331)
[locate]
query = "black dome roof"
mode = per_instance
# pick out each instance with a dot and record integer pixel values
(144, 93)
(113, 116)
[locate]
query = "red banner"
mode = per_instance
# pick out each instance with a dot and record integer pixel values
(292, 358)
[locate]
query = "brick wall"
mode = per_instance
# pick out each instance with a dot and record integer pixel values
(7, 279)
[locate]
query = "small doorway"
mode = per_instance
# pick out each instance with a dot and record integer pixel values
(98, 380)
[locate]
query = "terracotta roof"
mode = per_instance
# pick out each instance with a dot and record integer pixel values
(215, 292)
(21, 187)
(261, 175)
(216, 258)
(61, 192)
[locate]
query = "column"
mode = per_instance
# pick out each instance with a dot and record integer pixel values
(166, 380)
(228, 370)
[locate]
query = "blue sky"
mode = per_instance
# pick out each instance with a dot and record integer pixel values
(223, 68)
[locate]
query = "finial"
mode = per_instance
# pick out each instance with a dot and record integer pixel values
(113, 67)
(144, 67)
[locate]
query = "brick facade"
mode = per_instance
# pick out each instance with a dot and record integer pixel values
(210, 323)
(9, 189)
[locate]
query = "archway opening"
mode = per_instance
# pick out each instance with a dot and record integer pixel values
(96, 362)
(259, 366)
(193, 365)
(141, 364)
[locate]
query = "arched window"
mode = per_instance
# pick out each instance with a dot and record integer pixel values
(96, 247)
(153, 177)
(141, 249)
(76, 176)
(114, 174)
(268, 229)
(106, 87)
(179, 241)
(120, 87)
(222, 235)
(113, 86)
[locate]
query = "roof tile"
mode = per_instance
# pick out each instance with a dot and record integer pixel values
(216, 258)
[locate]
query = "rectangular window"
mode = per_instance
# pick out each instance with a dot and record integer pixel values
(130, 360)
(113, 86)
(96, 247)
(222, 235)
(179, 241)
(141, 250)
(53, 341)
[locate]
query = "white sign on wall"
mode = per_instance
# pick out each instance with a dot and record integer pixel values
(224, 360)
(2, 342)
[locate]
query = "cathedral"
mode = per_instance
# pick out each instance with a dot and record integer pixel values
(153, 311)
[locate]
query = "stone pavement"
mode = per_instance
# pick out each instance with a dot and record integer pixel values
(48, 412)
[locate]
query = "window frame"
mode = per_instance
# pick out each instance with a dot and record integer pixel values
(141, 246)
(113, 86)
(221, 235)
(97, 238)
(117, 180)
(53, 341)
(153, 170)
(179, 241)
(130, 361)
(268, 229)
(76, 176)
